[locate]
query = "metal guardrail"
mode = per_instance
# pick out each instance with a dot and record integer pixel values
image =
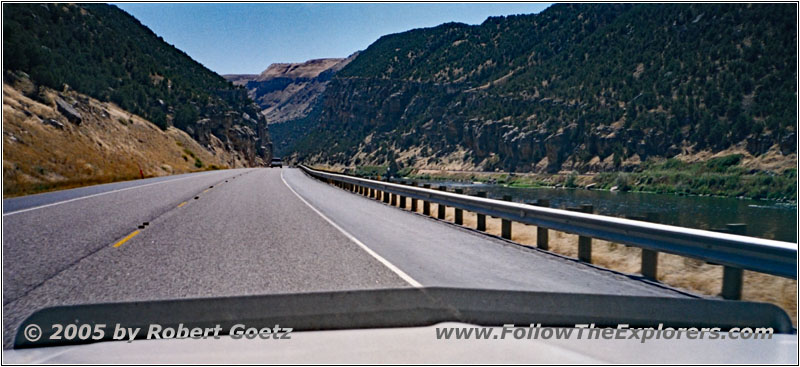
(735, 252)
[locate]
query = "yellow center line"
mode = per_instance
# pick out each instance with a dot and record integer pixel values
(128, 237)
(206, 190)
(181, 204)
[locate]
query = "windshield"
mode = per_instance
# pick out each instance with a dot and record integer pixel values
(393, 166)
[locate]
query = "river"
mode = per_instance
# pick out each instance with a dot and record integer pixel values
(764, 219)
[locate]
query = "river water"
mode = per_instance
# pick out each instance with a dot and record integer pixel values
(764, 219)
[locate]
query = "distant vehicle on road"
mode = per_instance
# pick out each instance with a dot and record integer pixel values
(276, 162)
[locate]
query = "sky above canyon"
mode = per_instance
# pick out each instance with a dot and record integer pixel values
(246, 38)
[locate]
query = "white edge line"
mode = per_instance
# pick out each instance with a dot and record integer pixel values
(380, 258)
(103, 193)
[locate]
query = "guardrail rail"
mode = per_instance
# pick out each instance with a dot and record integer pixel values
(734, 252)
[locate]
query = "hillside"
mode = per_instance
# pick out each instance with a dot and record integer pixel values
(579, 87)
(45, 149)
(102, 52)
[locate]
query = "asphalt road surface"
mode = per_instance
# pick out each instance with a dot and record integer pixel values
(253, 231)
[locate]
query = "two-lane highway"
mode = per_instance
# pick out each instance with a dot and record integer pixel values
(255, 231)
(48, 233)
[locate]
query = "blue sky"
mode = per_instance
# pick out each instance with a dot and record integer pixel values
(246, 38)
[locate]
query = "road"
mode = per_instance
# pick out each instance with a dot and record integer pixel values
(253, 231)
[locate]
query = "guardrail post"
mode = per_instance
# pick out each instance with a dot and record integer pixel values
(505, 224)
(584, 243)
(441, 208)
(414, 205)
(649, 264)
(402, 199)
(542, 234)
(459, 214)
(385, 196)
(481, 218)
(426, 205)
(650, 257)
(414, 201)
(394, 199)
(731, 276)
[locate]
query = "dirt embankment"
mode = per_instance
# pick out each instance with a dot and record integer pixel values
(62, 140)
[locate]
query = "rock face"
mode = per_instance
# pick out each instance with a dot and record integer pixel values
(288, 91)
(67, 110)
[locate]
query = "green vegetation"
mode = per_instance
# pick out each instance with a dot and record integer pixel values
(197, 162)
(590, 80)
(721, 176)
(101, 51)
(570, 182)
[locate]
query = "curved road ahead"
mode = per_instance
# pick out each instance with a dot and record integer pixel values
(253, 231)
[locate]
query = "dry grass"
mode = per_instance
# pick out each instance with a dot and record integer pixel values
(692, 275)
(109, 145)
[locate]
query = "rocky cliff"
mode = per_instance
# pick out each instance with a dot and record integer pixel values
(288, 91)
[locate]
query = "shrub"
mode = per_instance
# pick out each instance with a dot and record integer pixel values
(570, 182)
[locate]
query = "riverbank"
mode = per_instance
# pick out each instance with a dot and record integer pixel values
(724, 176)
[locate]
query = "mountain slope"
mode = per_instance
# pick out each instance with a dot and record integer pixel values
(101, 51)
(587, 87)
(43, 150)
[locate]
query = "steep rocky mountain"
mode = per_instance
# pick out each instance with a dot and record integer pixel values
(100, 51)
(586, 87)
(288, 91)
